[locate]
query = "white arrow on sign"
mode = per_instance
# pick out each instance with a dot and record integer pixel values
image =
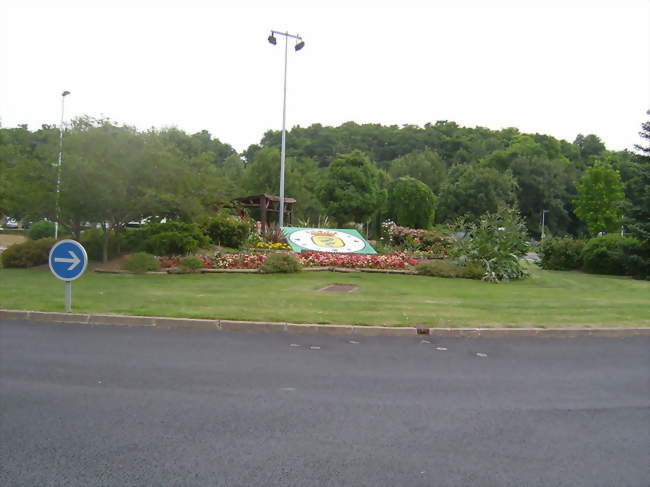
(74, 261)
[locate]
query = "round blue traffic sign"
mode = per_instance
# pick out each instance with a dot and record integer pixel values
(68, 260)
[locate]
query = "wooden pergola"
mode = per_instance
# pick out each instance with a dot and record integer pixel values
(267, 203)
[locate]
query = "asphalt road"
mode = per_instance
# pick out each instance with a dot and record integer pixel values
(116, 406)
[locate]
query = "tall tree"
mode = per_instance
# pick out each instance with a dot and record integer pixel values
(411, 203)
(350, 191)
(473, 189)
(425, 166)
(600, 197)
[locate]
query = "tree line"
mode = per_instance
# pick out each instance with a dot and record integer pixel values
(361, 173)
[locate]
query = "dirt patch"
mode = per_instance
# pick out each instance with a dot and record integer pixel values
(340, 288)
(7, 240)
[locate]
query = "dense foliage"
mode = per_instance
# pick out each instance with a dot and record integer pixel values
(114, 174)
(169, 238)
(27, 254)
(226, 230)
(141, 262)
(94, 239)
(281, 262)
(495, 241)
(349, 190)
(445, 268)
(42, 229)
(411, 203)
(613, 254)
(600, 198)
(561, 253)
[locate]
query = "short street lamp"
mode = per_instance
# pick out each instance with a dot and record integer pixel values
(299, 45)
(58, 172)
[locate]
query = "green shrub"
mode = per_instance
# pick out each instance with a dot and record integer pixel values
(495, 243)
(473, 271)
(171, 238)
(614, 254)
(28, 254)
(192, 263)
(411, 203)
(42, 229)
(445, 268)
(93, 241)
(281, 262)
(142, 262)
(438, 268)
(226, 230)
(561, 253)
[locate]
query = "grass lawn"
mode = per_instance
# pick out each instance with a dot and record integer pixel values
(547, 298)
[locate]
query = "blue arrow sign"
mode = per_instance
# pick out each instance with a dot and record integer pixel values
(68, 260)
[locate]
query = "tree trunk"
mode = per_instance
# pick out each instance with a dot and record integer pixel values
(76, 229)
(118, 238)
(105, 228)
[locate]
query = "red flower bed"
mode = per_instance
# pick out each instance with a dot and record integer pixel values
(396, 260)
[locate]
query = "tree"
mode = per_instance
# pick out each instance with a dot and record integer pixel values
(425, 166)
(637, 190)
(349, 191)
(589, 145)
(411, 203)
(473, 189)
(600, 197)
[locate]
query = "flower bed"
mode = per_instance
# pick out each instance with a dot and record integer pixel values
(394, 261)
(272, 246)
(434, 245)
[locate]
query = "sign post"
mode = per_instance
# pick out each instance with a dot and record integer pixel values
(68, 261)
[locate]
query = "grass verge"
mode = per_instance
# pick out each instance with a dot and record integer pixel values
(546, 299)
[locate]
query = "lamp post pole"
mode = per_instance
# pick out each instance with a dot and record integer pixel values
(544, 212)
(58, 172)
(299, 45)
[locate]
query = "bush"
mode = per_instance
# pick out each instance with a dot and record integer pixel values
(561, 253)
(226, 230)
(416, 240)
(93, 241)
(28, 254)
(411, 203)
(495, 242)
(613, 254)
(141, 262)
(438, 268)
(171, 238)
(445, 268)
(42, 229)
(192, 263)
(281, 262)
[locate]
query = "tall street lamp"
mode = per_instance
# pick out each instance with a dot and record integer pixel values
(544, 212)
(299, 45)
(58, 172)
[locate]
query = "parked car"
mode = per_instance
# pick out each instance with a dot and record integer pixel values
(11, 223)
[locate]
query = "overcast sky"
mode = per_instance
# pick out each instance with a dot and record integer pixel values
(559, 68)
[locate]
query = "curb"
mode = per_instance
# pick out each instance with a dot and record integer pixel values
(273, 327)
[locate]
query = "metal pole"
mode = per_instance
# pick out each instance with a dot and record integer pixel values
(58, 174)
(284, 131)
(68, 296)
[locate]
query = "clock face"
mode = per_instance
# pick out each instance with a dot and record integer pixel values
(327, 241)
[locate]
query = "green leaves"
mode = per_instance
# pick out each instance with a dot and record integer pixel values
(494, 241)
(411, 203)
(600, 197)
(350, 190)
